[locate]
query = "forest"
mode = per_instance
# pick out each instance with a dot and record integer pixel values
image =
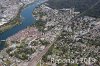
(79, 5)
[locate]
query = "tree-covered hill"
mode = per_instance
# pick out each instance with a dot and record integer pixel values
(79, 5)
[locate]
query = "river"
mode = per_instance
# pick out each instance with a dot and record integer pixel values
(27, 20)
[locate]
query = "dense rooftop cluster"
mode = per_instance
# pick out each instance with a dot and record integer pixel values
(56, 31)
(79, 37)
(10, 8)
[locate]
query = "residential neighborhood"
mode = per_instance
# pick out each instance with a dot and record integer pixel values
(10, 8)
(58, 37)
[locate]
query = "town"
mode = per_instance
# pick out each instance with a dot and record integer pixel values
(54, 35)
(10, 8)
(9, 13)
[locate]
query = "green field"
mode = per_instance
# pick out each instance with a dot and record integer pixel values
(42, 64)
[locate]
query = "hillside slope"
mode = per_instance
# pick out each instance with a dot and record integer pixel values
(79, 5)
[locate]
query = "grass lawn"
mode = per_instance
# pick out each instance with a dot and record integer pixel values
(42, 65)
(38, 64)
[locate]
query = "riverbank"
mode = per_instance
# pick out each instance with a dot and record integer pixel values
(15, 21)
(11, 24)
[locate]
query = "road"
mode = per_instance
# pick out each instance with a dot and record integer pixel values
(34, 61)
(39, 56)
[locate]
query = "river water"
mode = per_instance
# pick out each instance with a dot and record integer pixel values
(27, 20)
